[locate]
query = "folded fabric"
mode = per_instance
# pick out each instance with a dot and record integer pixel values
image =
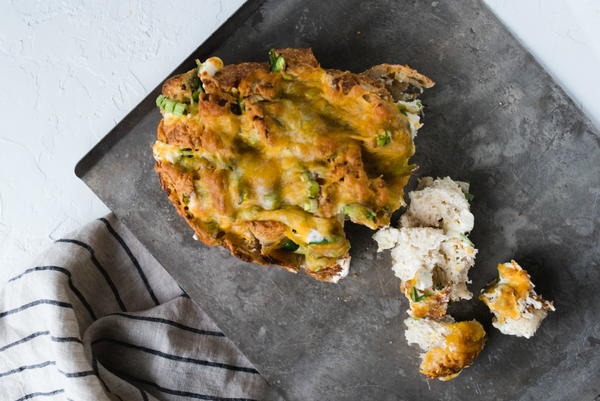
(98, 318)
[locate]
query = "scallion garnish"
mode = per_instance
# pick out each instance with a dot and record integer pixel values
(467, 240)
(196, 82)
(160, 101)
(186, 152)
(370, 215)
(310, 205)
(313, 189)
(289, 245)
(321, 242)
(169, 105)
(384, 139)
(277, 61)
(179, 109)
(415, 297)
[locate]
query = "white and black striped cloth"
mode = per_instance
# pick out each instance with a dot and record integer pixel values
(97, 318)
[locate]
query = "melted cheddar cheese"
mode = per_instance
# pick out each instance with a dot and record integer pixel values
(503, 298)
(461, 347)
(517, 308)
(266, 157)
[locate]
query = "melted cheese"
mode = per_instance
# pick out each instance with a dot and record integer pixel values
(517, 309)
(253, 166)
(210, 67)
(506, 297)
(461, 347)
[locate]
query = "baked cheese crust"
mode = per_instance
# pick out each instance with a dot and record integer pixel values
(269, 159)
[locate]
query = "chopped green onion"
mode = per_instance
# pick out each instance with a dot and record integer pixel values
(384, 139)
(313, 189)
(415, 297)
(169, 105)
(419, 104)
(186, 152)
(321, 242)
(272, 56)
(403, 112)
(467, 240)
(277, 61)
(413, 294)
(310, 205)
(196, 82)
(370, 215)
(196, 95)
(469, 196)
(279, 64)
(359, 213)
(289, 245)
(179, 109)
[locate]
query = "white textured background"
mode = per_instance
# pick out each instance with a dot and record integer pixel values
(70, 70)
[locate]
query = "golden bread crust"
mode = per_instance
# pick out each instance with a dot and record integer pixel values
(267, 162)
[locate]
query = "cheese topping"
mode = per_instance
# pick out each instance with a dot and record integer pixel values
(517, 309)
(448, 347)
(283, 156)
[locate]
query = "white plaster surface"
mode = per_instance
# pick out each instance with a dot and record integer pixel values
(70, 70)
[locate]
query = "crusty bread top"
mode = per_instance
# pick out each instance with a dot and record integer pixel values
(268, 161)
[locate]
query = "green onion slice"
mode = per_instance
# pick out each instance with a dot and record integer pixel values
(169, 105)
(289, 245)
(277, 61)
(415, 297)
(322, 242)
(179, 109)
(384, 139)
(467, 240)
(313, 189)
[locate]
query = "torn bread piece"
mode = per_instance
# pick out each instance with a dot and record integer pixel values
(448, 347)
(431, 253)
(440, 203)
(517, 309)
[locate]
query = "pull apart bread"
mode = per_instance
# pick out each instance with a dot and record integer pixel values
(431, 252)
(447, 346)
(517, 309)
(432, 255)
(269, 159)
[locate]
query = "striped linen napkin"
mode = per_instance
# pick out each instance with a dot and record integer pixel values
(98, 318)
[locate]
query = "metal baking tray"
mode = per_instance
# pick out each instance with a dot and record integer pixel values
(495, 119)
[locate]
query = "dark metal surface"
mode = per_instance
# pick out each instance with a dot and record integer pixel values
(495, 119)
